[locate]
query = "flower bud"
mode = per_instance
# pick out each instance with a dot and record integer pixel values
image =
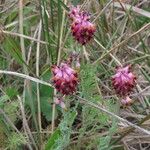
(60, 102)
(126, 101)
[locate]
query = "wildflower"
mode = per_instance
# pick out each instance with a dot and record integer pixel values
(123, 81)
(126, 101)
(60, 102)
(65, 78)
(82, 29)
(74, 13)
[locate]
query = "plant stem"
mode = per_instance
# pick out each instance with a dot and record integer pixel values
(25, 77)
(37, 88)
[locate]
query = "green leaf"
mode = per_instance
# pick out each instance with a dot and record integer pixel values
(12, 48)
(30, 100)
(11, 16)
(52, 140)
(16, 140)
(88, 81)
(46, 108)
(46, 97)
(65, 128)
(11, 110)
(104, 143)
(46, 91)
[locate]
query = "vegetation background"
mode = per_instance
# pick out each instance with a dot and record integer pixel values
(34, 34)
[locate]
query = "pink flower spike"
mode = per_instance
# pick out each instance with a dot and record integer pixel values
(123, 81)
(82, 29)
(74, 12)
(66, 78)
(83, 32)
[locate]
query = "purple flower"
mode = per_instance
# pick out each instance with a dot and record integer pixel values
(82, 29)
(74, 13)
(65, 78)
(123, 81)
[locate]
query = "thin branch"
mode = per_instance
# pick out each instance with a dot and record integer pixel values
(16, 22)
(21, 32)
(132, 8)
(37, 74)
(107, 5)
(25, 77)
(24, 36)
(85, 54)
(9, 121)
(8, 7)
(112, 56)
(25, 123)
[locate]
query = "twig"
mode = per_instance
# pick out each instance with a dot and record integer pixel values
(16, 22)
(32, 42)
(25, 123)
(8, 7)
(61, 34)
(24, 36)
(112, 56)
(85, 54)
(25, 77)
(9, 121)
(21, 32)
(107, 5)
(132, 8)
(131, 129)
(37, 74)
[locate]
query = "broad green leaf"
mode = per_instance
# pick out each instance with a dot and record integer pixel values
(30, 101)
(46, 97)
(52, 140)
(46, 108)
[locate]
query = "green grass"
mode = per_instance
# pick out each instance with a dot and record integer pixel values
(121, 38)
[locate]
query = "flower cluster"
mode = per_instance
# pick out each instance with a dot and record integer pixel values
(123, 82)
(81, 27)
(65, 78)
